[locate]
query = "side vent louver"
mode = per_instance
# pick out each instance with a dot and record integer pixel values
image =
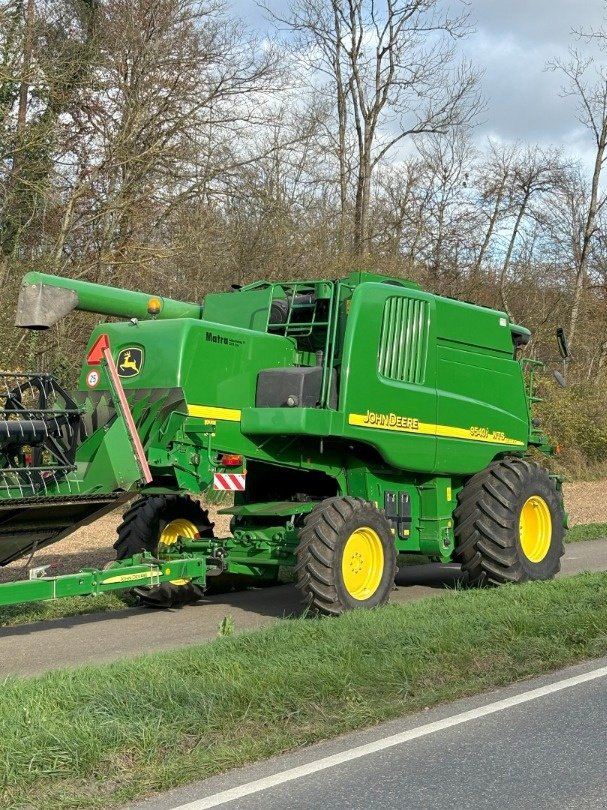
(403, 343)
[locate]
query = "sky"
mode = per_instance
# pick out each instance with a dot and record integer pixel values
(512, 43)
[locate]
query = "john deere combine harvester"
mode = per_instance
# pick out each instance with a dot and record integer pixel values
(354, 420)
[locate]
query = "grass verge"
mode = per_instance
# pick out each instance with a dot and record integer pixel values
(97, 737)
(586, 531)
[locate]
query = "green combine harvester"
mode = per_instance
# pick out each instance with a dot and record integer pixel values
(353, 421)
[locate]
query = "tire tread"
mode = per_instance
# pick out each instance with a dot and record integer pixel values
(486, 523)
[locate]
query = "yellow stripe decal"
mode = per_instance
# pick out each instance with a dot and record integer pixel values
(208, 412)
(151, 574)
(406, 424)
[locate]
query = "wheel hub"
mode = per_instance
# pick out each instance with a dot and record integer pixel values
(180, 527)
(535, 529)
(356, 563)
(362, 563)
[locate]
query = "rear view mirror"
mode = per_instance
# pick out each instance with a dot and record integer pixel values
(561, 339)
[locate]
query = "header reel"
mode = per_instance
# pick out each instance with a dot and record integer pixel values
(39, 430)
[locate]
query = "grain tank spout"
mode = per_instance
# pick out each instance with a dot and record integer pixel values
(44, 300)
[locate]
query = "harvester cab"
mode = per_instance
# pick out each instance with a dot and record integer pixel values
(352, 421)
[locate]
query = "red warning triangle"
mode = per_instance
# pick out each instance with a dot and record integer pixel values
(95, 356)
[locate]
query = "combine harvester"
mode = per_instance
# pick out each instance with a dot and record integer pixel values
(354, 420)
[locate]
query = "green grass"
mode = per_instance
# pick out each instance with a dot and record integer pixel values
(98, 736)
(586, 531)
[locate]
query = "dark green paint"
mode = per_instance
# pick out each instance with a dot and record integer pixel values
(442, 371)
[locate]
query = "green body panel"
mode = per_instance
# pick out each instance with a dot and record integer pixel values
(291, 422)
(480, 387)
(112, 461)
(469, 405)
(378, 403)
(247, 308)
(416, 393)
(215, 365)
(274, 509)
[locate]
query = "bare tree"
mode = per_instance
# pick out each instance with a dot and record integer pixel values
(175, 97)
(448, 162)
(394, 72)
(494, 181)
(46, 51)
(587, 82)
(535, 172)
(399, 211)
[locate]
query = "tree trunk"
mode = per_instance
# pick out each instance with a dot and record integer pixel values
(4, 270)
(342, 128)
(492, 222)
(589, 228)
(28, 47)
(363, 196)
(506, 264)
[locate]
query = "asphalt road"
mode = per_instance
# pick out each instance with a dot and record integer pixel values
(36, 648)
(537, 745)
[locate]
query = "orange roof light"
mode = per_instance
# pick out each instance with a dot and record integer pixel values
(154, 307)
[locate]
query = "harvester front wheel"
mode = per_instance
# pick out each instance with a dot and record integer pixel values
(346, 557)
(153, 523)
(509, 524)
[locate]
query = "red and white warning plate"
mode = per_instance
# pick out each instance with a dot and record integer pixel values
(233, 482)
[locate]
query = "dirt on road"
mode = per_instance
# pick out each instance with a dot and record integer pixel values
(586, 502)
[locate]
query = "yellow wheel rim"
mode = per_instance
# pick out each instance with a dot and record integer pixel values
(180, 527)
(362, 563)
(535, 529)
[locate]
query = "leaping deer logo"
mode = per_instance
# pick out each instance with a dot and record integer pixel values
(130, 362)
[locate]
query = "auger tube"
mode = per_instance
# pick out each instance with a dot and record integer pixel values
(45, 299)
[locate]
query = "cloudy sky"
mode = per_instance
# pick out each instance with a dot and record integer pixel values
(514, 40)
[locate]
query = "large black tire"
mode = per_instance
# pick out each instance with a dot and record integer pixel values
(346, 557)
(509, 524)
(141, 528)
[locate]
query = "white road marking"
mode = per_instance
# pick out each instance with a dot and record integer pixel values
(387, 742)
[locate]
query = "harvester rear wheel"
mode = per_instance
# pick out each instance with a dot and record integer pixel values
(346, 557)
(155, 522)
(509, 524)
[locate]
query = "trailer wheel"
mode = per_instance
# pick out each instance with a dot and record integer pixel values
(155, 522)
(346, 557)
(509, 524)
